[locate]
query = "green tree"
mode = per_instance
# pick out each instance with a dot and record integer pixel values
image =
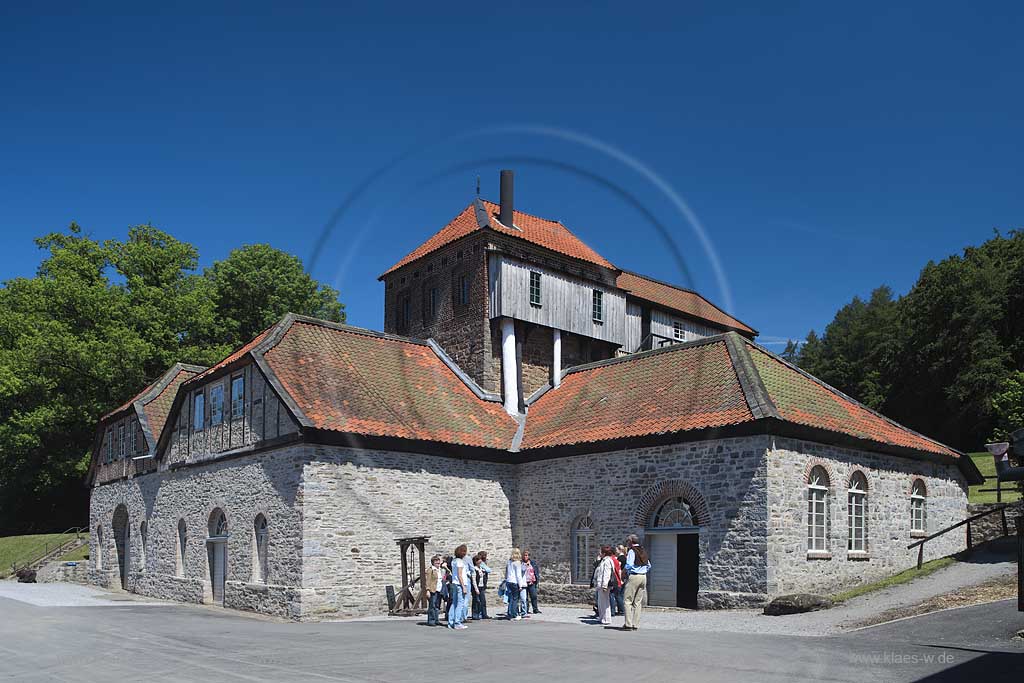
(1008, 406)
(257, 284)
(856, 349)
(99, 321)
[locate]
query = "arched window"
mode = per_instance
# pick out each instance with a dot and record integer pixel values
(583, 549)
(857, 513)
(674, 513)
(918, 509)
(218, 524)
(144, 542)
(817, 510)
(260, 545)
(179, 556)
(99, 547)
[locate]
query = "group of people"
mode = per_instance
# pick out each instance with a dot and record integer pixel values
(620, 582)
(461, 584)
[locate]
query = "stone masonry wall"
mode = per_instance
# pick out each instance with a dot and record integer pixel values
(267, 483)
(890, 478)
(460, 329)
(357, 502)
(621, 489)
(991, 527)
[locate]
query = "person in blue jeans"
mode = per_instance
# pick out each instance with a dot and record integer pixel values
(483, 592)
(460, 589)
(514, 578)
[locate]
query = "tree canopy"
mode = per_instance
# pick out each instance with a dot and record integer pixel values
(99, 321)
(944, 359)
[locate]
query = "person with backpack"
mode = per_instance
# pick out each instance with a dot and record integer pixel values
(637, 566)
(532, 579)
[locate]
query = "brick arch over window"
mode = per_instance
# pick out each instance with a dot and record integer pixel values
(825, 465)
(653, 496)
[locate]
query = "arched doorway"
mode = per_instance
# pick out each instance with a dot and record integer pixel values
(673, 542)
(217, 553)
(122, 543)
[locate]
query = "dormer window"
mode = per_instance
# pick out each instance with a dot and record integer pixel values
(216, 404)
(678, 333)
(237, 397)
(598, 306)
(198, 412)
(535, 299)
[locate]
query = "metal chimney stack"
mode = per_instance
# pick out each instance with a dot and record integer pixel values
(505, 214)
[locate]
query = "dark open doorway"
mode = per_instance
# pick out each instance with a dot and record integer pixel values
(687, 570)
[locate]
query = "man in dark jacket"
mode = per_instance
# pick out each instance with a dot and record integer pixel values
(531, 581)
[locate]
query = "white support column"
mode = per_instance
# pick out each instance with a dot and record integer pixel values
(509, 373)
(556, 354)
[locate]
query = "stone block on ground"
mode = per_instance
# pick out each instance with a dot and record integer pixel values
(796, 603)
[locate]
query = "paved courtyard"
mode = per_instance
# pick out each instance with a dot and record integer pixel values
(60, 632)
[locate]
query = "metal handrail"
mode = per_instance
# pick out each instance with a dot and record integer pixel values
(919, 544)
(47, 550)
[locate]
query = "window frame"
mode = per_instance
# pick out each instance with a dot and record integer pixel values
(240, 401)
(678, 331)
(133, 440)
(597, 306)
(817, 512)
(582, 534)
(918, 508)
(120, 441)
(857, 514)
(536, 289)
(182, 543)
(261, 553)
(216, 404)
(109, 455)
(198, 410)
(462, 289)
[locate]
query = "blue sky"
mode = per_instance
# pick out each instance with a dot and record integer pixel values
(825, 149)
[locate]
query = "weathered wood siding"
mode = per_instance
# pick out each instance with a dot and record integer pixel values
(566, 303)
(662, 323)
(263, 417)
(634, 327)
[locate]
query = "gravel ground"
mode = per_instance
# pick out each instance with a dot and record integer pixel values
(983, 567)
(68, 595)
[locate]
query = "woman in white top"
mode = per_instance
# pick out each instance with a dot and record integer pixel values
(604, 575)
(515, 576)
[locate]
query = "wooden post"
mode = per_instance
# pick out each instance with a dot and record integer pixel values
(421, 603)
(1020, 564)
(920, 555)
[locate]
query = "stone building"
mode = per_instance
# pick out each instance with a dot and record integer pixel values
(526, 392)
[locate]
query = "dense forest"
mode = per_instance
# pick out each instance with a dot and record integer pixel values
(99, 321)
(946, 358)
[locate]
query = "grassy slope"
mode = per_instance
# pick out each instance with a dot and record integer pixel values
(988, 467)
(903, 577)
(23, 548)
(77, 555)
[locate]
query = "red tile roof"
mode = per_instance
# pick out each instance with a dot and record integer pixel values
(540, 231)
(801, 399)
(685, 301)
(659, 393)
(357, 382)
(159, 407)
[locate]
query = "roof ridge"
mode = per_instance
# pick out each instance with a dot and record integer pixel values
(759, 401)
(344, 327)
(646, 354)
(843, 395)
(687, 290)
